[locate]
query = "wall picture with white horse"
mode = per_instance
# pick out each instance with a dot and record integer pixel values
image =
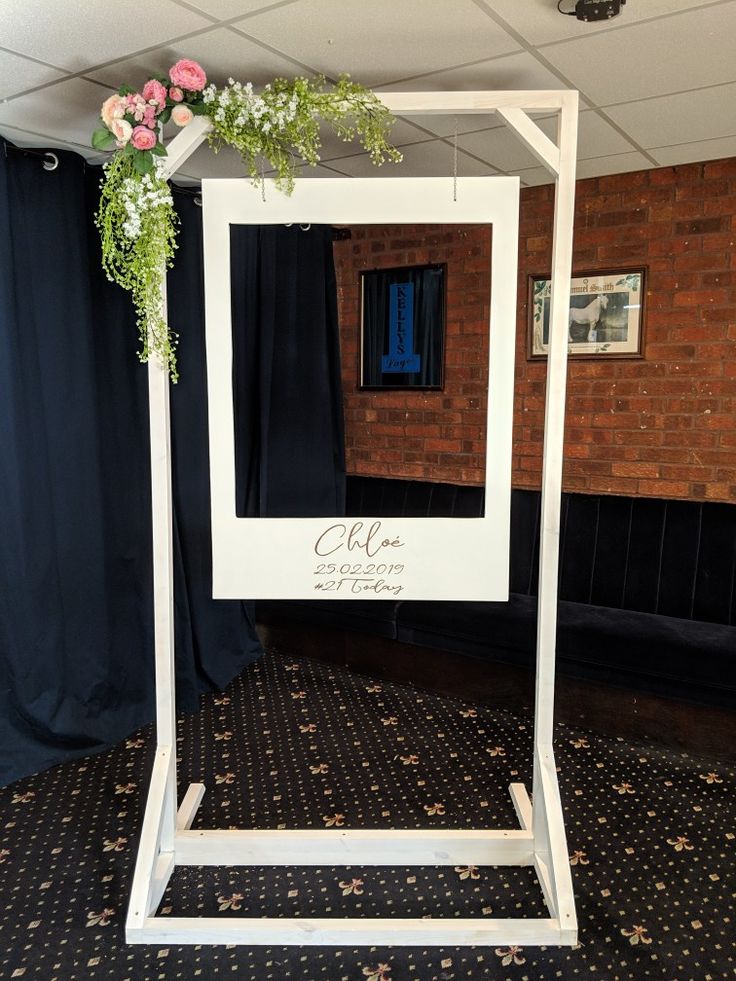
(605, 314)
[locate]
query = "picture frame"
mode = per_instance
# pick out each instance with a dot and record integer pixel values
(607, 313)
(416, 557)
(402, 327)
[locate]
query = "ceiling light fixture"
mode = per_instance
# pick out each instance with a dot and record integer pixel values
(590, 10)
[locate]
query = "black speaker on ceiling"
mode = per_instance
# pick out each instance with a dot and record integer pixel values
(590, 10)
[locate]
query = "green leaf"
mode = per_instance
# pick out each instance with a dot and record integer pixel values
(126, 90)
(199, 108)
(129, 150)
(102, 139)
(165, 115)
(143, 162)
(159, 150)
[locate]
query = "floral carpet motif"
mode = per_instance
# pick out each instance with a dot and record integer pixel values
(292, 743)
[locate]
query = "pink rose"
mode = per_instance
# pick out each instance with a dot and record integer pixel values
(113, 108)
(175, 94)
(182, 115)
(137, 105)
(186, 74)
(154, 92)
(143, 139)
(121, 130)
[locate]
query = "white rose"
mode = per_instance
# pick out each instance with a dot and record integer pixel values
(121, 130)
(112, 109)
(182, 115)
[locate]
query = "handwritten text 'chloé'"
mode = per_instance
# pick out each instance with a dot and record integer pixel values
(354, 538)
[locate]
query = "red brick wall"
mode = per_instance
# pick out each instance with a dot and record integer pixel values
(427, 435)
(664, 426)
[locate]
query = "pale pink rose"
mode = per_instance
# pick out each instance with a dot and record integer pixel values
(186, 74)
(143, 139)
(175, 94)
(182, 115)
(121, 130)
(137, 106)
(154, 92)
(113, 108)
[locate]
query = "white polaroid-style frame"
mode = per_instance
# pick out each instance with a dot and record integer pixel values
(363, 557)
(167, 838)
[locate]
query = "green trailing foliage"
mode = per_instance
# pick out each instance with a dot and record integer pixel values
(137, 224)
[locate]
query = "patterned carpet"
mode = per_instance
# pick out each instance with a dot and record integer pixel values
(293, 743)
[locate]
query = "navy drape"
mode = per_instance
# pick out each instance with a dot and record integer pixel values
(76, 635)
(289, 430)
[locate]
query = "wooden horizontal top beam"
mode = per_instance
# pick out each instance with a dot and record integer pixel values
(438, 103)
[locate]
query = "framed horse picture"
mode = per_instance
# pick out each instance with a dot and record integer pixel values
(606, 314)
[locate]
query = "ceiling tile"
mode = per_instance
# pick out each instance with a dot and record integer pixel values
(663, 70)
(381, 40)
(668, 156)
(402, 134)
(226, 9)
(445, 125)
(500, 147)
(535, 176)
(596, 137)
(683, 118)
(520, 70)
(227, 163)
(70, 115)
(204, 162)
(689, 50)
(504, 149)
(76, 34)
(420, 160)
(18, 74)
(616, 163)
(539, 22)
(306, 173)
(221, 52)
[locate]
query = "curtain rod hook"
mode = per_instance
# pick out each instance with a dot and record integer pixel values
(50, 161)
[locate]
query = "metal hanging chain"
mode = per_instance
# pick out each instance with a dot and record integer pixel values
(454, 165)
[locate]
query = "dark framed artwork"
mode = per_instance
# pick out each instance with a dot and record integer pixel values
(402, 327)
(606, 314)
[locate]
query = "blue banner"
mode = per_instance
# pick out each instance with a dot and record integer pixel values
(401, 356)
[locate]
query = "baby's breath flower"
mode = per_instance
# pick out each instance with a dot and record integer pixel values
(282, 124)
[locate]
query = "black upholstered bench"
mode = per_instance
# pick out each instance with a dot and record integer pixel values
(647, 590)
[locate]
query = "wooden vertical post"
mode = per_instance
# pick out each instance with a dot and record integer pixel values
(554, 423)
(163, 577)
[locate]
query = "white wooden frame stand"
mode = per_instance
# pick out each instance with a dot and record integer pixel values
(167, 839)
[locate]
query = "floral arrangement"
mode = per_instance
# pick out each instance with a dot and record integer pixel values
(280, 124)
(132, 121)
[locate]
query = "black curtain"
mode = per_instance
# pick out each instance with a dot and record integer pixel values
(76, 632)
(289, 442)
